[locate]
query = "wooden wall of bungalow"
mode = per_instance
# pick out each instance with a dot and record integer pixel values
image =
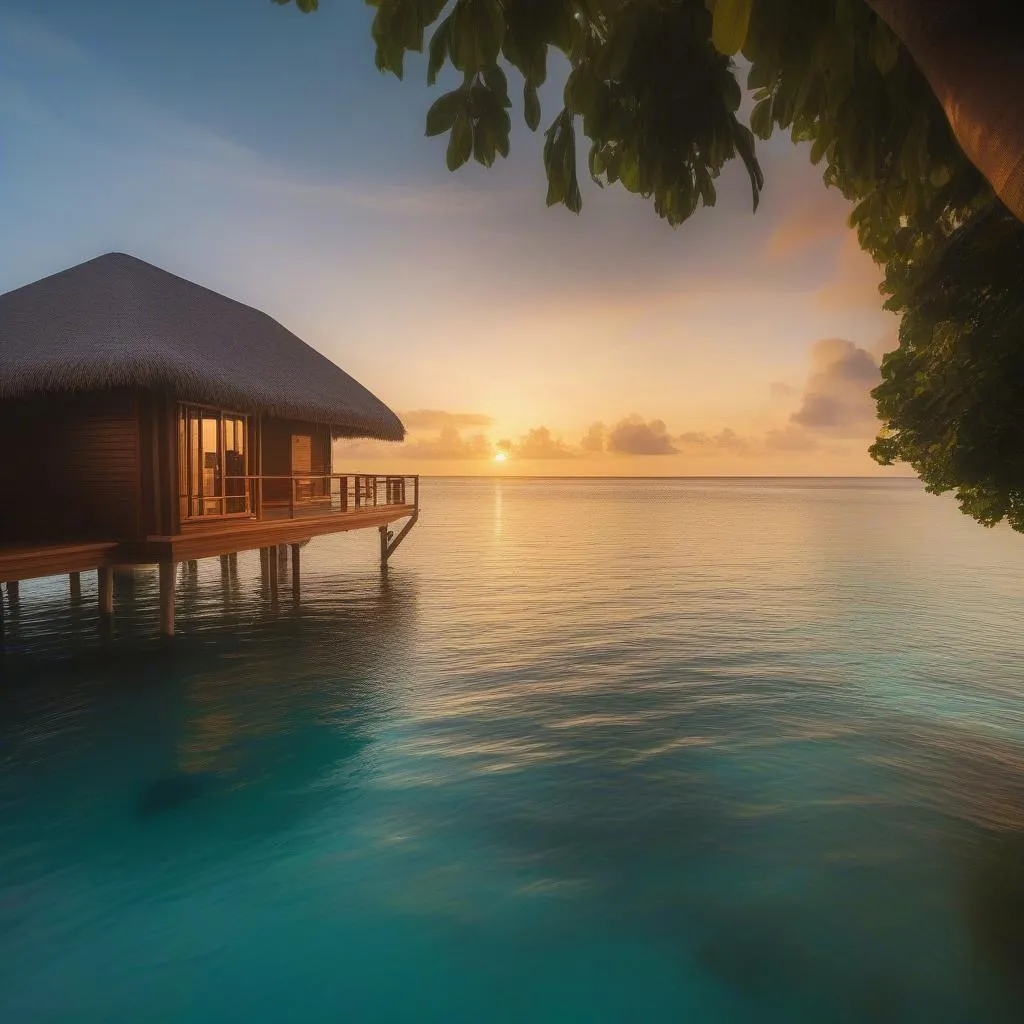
(104, 465)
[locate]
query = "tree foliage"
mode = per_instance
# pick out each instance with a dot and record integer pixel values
(951, 395)
(654, 91)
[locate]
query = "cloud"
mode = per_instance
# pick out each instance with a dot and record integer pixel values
(539, 444)
(634, 436)
(837, 397)
(437, 419)
(780, 389)
(726, 439)
(449, 444)
(593, 440)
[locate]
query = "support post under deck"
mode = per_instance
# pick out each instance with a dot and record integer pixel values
(389, 542)
(75, 583)
(168, 570)
(272, 573)
(296, 586)
(13, 592)
(105, 586)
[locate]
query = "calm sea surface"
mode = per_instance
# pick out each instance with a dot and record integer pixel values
(595, 751)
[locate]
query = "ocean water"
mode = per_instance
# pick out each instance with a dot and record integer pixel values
(594, 751)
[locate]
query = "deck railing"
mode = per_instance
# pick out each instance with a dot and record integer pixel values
(291, 497)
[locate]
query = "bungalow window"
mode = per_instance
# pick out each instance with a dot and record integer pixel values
(213, 467)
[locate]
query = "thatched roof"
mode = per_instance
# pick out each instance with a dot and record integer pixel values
(119, 322)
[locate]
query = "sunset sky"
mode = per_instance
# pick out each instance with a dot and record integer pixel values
(260, 153)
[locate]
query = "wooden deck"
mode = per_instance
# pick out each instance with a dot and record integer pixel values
(26, 563)
(204, 540)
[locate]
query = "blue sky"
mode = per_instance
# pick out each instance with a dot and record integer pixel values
(258, 151)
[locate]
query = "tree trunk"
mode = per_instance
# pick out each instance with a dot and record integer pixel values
(972, 54)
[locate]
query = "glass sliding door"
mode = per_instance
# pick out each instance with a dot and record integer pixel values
(236, 486)
(213, 463)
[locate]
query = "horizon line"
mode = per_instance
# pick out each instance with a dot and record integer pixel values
(619, 476)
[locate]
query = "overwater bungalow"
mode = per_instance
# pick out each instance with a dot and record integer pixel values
(150, 421)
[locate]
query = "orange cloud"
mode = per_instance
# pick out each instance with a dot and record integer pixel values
(449, 444)
(634, 436)
(837, 398)
(538, 443)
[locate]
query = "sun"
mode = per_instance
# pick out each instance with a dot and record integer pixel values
(500, 456)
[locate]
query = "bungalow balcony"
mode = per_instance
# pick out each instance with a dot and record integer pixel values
(263, 511)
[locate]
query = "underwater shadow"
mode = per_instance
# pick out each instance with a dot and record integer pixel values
(229, 734)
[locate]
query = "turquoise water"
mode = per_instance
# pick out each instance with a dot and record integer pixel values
(737, 751)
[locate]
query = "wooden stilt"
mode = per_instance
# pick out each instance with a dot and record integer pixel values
(105, 583)
(167, 573)
(264, 566)
(13, 592)
(225, 577)
(272, 574)
(75, 582)
(388, 542)
(295, 573)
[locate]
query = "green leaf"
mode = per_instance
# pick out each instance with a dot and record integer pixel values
(629, 172)
(560, 163)
(821, 144)
(495, 80)
(490, 30)
(445, 109)
(460, 145)
(744, 140)
(731, 94)
(484, 145)
(761, 120)
(439, 44)
(730, 21)
(531, 106)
